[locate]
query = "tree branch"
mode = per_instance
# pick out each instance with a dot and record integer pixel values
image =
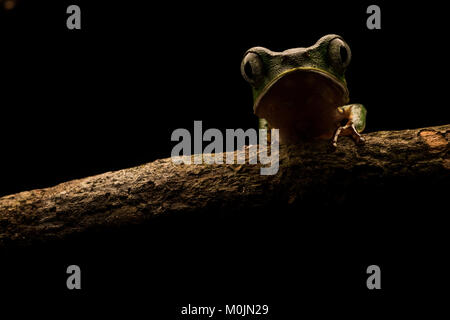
(307, 172)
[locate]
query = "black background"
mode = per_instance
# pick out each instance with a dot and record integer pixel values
(77, 103)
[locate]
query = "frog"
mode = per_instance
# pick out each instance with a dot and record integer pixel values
(303, 91)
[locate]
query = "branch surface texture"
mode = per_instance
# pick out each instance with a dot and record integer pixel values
(306, 172)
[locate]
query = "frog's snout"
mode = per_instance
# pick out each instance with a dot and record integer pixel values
(300, 88)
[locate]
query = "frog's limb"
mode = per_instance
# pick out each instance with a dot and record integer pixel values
(356, 122)
(263, 124)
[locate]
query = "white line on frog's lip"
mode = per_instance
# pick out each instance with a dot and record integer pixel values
(307, 69)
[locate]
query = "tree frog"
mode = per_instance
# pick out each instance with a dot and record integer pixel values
(303, 91)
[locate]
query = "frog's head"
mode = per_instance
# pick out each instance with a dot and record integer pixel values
(297, 80)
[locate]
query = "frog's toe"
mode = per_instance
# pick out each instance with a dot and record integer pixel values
(360, 140)
(337, 134)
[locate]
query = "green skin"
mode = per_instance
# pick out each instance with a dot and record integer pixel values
(303, 91)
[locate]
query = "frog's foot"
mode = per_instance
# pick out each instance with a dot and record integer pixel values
(356, 116)
(348, 130)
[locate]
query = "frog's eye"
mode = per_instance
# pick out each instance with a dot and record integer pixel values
(251, 67)
(340, 53)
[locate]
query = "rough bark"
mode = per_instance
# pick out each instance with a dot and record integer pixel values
(308, 171)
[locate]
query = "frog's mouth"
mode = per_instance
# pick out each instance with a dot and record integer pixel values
(303, 101)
